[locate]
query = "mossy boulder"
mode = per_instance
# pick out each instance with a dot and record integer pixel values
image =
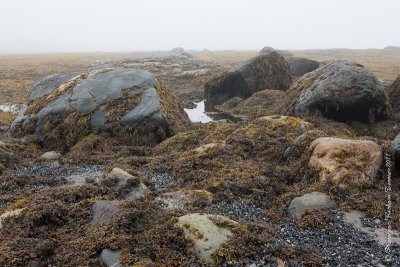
(130, 104)
(339, 90)
(270, 70)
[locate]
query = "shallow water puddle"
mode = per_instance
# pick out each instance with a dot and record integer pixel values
(14, 108)
(198, 113)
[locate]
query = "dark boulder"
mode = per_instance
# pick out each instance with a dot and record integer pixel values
(269, 70)
(342, 91)
(132, 105)
(300, 66)
(393, 93)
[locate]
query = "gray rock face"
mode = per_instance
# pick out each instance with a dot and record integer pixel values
(47, 84)
(266, 71)
(301, 66)
(117, 100)
(310, 202)
(342, 91)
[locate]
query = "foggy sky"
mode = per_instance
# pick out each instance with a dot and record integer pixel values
(36, 26)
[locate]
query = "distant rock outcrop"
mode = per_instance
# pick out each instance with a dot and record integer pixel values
(267, 49)
(393, 93)
(342, 91)
(130, 104)
(300, 66)
(269, 70)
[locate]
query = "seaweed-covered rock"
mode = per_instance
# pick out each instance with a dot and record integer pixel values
(208, 232)
(259, 103)
(393, 93)
(309, 202)
(270, 70)
(352, 162)
(300, 66)
(395, 150)
(131, 104)
(342, 91)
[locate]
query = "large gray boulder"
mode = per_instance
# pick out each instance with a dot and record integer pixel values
(130, 104)
(342, 91)
(266, 71)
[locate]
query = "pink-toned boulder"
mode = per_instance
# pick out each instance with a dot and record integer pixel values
(346, 161)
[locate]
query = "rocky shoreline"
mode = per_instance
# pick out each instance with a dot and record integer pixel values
(104, 168)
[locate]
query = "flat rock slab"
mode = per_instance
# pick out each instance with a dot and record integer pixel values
(105, 211)
(310, 202)
(205, 233)
(179, 200)
(379, 234)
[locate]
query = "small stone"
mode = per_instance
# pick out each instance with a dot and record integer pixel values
(310, 202)
(109, 257)
(50, 155)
